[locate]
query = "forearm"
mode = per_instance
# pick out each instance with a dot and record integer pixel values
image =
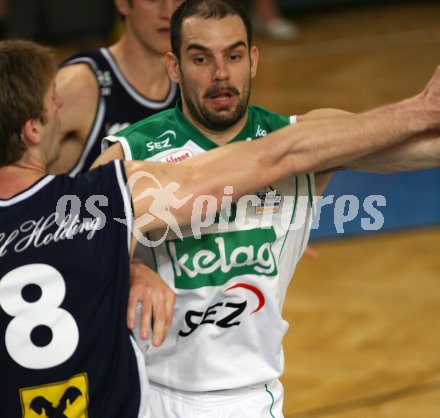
(418, 153)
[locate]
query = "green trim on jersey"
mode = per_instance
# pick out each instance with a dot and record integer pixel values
(309, 183)
(293, 215)
(171, 129)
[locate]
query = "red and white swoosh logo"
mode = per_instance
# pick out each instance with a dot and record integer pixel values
(253, 289)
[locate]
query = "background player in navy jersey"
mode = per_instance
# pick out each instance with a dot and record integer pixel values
(107, 89)
(223, 354)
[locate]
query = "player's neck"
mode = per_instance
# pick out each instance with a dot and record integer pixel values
(17, 177)
(144, 69)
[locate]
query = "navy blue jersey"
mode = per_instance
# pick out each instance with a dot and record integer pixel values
(119, 104)
(65, 349)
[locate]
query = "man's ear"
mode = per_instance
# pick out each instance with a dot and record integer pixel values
(172, 64)
(254, 54)
(122, 7)
(30, 132)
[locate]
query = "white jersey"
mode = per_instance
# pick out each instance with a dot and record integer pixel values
(230, 281)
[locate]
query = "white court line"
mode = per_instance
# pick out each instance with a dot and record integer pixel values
(354, 44)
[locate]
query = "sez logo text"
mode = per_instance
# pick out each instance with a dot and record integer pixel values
(221, 314)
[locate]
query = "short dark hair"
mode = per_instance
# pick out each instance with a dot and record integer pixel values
(26, 71)
(208, 9)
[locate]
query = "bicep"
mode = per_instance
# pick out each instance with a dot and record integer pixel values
(162, 194)
(322, 179)
(322, 113)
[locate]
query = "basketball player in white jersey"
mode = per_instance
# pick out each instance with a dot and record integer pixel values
(223, 354)
(107, 89)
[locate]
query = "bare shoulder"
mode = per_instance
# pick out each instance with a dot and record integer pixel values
(77, 82)
(322, 113)
(78, 88)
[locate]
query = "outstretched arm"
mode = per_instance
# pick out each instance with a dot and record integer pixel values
(420, 152)
(314, 145)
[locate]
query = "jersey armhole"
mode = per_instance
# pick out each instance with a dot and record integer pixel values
(109, 140)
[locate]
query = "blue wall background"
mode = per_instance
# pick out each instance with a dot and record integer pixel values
(412, 200)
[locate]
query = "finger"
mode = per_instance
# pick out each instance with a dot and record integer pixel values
(169, 307)
(146, 316)
(133, 299)
(160, 321)
(163, 317)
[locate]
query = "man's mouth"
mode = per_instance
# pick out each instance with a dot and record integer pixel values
(221, 95)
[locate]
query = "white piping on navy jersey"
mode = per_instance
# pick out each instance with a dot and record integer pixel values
(128, 209)
(27, 193)
(97, 123)
(131, 91)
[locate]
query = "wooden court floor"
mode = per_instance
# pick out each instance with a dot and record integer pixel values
(364, 337)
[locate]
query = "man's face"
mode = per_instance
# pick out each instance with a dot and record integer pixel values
(51, 132)
(149, 22)
(215, 71)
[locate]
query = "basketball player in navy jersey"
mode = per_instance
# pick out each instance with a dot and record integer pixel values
(65, 243)
(107, 89)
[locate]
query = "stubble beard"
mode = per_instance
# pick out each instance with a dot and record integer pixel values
(216, 121)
